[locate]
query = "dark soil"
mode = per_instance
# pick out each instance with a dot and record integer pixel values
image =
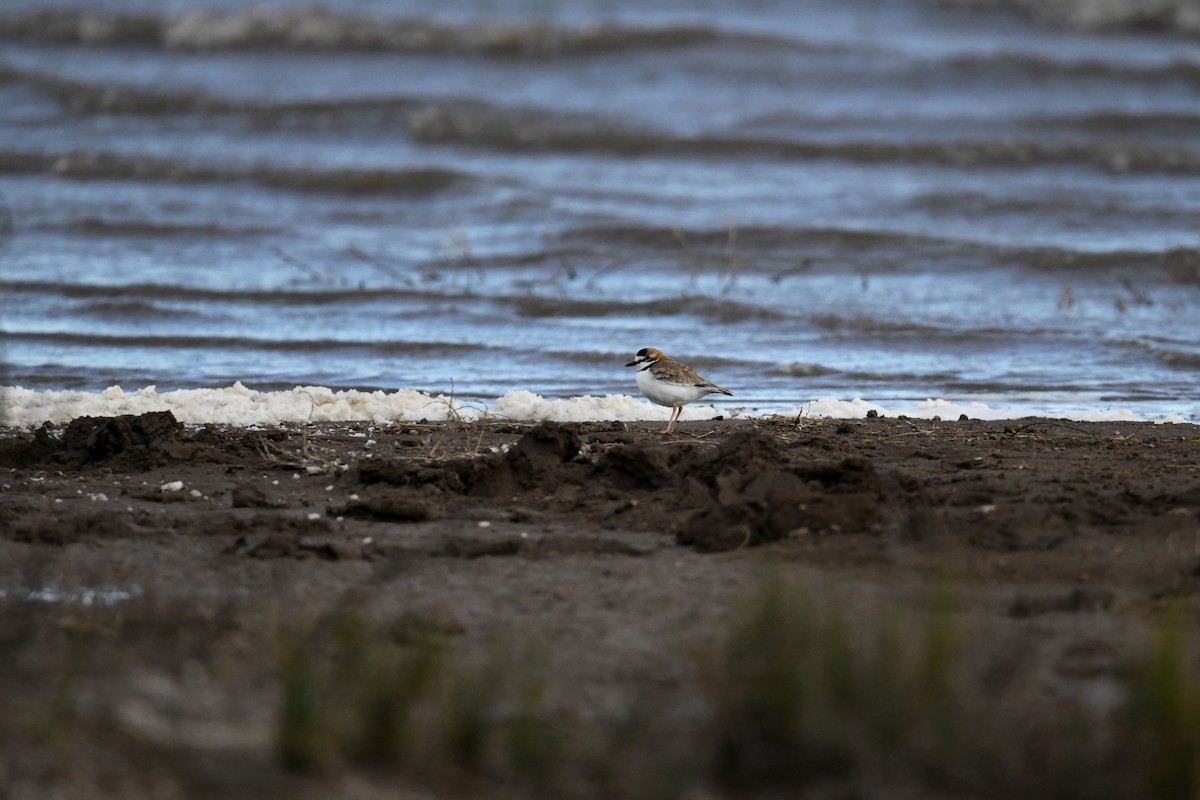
(182, 552)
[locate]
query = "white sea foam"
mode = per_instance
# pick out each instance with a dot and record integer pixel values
(239, 405)
(523, 405)
(234, 405)
(831, 407)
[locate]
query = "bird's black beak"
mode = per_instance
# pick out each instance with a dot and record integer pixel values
(633, 363)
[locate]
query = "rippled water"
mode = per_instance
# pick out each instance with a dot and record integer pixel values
(889, 199)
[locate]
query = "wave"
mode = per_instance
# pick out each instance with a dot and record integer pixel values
(608, 358)
(1123, 123)
(715, 309)
(480, 125)
(1171, 263)
(163, 292)
(799, 369)
(896, 330)
(125, 310)
(92, 165)
(82, 96)
(475, 123)
(96, 226)
(1102, 122)
(1034, 67)
(786, 252)
(167, 342)
(89, 97)
(144, 297)
(754, 237)
(318, 29)
(1177, 16)
(1169, 355)
(1188, 362)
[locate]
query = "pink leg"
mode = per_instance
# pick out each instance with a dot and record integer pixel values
(675, 412)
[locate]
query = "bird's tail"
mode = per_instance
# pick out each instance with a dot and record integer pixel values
(716, 388)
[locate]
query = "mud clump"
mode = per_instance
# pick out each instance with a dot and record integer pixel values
(755, 499)
(23, 451)
(282, 546)
(95, 527)
(414, 474)
(742, 492)
(268, 536)
(628, 467)
(471, 547)
(397, 505)
(544, 449)
(136, 441)
(250, 496)
(543, 457)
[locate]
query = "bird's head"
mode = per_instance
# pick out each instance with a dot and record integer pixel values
(646, 355)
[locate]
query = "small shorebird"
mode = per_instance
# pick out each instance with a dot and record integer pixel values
(669, 383)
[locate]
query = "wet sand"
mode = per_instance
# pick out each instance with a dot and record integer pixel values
(148, 571)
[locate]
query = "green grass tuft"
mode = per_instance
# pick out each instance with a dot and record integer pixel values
(1162, 716)
(357, 692)
(303, 728)
(801, 694)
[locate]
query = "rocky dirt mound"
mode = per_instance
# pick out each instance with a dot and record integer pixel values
(127, 442)
(994, 487)
(743, 492)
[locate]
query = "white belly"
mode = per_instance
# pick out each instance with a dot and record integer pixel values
(668, 394)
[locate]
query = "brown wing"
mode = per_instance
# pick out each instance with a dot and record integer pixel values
(674, 371)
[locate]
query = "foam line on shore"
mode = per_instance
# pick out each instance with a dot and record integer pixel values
(240, 405)
(243, 406)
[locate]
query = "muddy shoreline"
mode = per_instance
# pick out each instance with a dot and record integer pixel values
(148, 569)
